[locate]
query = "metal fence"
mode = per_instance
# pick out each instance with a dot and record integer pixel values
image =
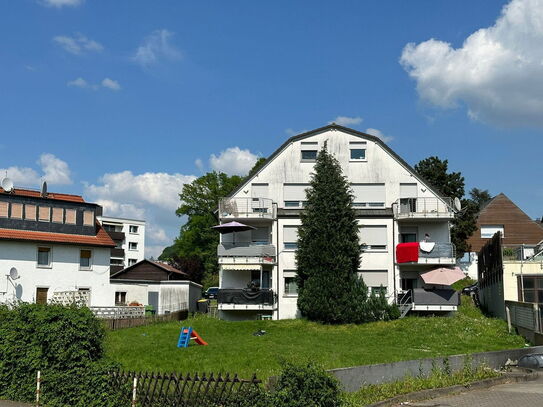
(180, 390)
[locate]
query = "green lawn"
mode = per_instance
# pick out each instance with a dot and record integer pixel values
(233, 348)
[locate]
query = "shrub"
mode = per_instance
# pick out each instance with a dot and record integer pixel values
(64, 343)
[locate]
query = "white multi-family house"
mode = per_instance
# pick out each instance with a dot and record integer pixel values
(129, 238)
(51, 245)
(403, 227)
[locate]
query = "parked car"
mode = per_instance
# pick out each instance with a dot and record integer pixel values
(211, 293)
(531, 361)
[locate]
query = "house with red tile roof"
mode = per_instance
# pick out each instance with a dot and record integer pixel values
(54, 244)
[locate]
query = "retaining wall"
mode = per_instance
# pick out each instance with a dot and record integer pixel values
(352, 378)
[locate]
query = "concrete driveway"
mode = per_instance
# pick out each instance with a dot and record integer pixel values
(522, 394)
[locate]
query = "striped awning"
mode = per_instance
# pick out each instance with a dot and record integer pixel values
(241, 267)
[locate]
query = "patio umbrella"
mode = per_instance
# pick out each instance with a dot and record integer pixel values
(443, 276)
(232, 227)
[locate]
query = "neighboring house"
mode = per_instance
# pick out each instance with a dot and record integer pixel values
(157, 284)
(393, 205)
(520, 234)
(56, 245)
(129, 238)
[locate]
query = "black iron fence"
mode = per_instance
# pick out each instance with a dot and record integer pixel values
(246, 296)
(181, 390)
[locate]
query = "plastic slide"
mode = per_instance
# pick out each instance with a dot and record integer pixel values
(197, 338)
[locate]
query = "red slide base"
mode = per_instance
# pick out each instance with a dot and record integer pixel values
(197, 338)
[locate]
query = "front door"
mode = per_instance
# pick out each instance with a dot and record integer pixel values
(152, 299)
(41, 295)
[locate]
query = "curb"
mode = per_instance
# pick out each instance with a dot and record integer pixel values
(510, 377)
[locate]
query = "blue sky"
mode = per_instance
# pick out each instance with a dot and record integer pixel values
(123, 101)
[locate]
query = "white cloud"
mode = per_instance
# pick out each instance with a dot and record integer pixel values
(111, 84)
(78, 44)
(61, 3)
(53, 170)
(153, 197)
(379, 134)
(497, 72)
(292, 132)
(199, 164)
(347, 121)
(79, 83)
(155, 47)
(233, 161)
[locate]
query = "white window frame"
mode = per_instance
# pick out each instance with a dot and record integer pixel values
(497, 227)
(309, 146)
(293, 245)
(374, 248)
(133, 243)
(289, 275)
(130, 262)
(133, 226)
(44, 266)
(358, 145)
(89, 267)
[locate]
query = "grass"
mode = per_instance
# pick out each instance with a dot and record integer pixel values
(233, 348)
(438, 379)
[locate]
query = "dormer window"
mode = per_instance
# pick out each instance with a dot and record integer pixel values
(44, 214)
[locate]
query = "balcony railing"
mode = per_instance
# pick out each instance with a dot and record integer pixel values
(442, 253)
(246, 253)
(116, 235)
(246, 296)
(429, 207)
(115, 252)
(246, 208)
(430, 300)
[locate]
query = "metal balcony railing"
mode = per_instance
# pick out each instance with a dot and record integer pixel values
(246, 296)
(246, 208)
(440, 252)
(239, 253)
(429, 207)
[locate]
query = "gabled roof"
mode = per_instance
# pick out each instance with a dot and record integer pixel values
(334, 126)
(165, 267)
(100, 239)
(50, 195)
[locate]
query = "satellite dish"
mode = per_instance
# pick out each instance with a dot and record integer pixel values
(7, 184)
(457, 204)
(44, 189)
(13, 273)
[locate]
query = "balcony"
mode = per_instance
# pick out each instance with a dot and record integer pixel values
(118, 236)
(421, 299)
(442, 253)
(118, 253)
(246, 208)
(424, 208)
(246, 253)
(230, 299)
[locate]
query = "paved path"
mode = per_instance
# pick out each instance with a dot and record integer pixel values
(523, 394)
(5, 403)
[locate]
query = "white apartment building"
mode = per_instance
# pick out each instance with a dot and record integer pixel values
(393, 206)
(129, 237)
(51, 246)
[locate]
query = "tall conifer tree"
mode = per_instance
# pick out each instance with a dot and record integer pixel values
(328, 254)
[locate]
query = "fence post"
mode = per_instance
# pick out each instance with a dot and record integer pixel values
(38, 381)
(134, 387)
(537, 328)
(508, 314)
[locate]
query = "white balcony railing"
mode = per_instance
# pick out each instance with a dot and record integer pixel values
(245, 253)
(429, 207)
(246, 208)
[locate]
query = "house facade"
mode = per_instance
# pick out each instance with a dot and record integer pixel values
(520, 234)
(393, 205)
(54, 244)
(129, 238)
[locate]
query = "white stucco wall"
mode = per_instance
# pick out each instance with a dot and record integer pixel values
(64, 273)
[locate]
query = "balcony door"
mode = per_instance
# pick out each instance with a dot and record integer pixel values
(259, 193)
(408, 198)
(408, 234)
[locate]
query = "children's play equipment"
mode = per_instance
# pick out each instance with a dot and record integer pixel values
(186, 334)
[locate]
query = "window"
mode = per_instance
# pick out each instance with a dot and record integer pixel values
(487, 231)
(309, 155)
(408, 234)
(378, 290)
(373, 237)
(369, 195)
(85, 259)
(132, 246)
(120, 297)
(115, 262)
(294, 195)
(358, 154)
(291, 287)
(44, 257)
(109, 228)
(30, 212)
(260, 235)
(58, 215)
(4, 209)
(131, 262)
(70, 216)
(88, 218)
(530, 288)
(290, 237)
(44, 214)
(17, 210)
(133, 229)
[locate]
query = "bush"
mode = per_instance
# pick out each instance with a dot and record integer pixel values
(306, 386)
(64, 343)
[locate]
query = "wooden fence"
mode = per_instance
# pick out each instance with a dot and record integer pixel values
(178, 390)
(120, 323)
